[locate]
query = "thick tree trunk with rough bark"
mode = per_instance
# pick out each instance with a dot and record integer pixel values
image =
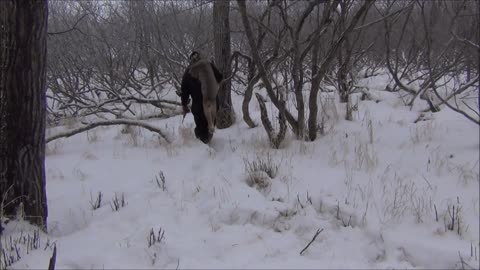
(23, 51)
(221, 36)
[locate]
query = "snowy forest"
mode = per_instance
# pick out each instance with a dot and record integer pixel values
(346, 135)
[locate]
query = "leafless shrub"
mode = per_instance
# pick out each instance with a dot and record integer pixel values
(424, 62)
(262, 163)
(113, 62)
(287, 48)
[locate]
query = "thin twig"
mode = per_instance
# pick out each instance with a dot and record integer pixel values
(298, 199)
(313, 239)
(53, 259)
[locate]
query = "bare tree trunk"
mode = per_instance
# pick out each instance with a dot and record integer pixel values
(312, 101)
(262, 71)
(252, 80)
(275, 139)
(322, 70)
(221, 36)
(23, 51)
(478, 55)
(342, 56)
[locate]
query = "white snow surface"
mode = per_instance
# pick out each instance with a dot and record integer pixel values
(371, 184)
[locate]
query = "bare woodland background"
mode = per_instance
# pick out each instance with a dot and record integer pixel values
(105, 56)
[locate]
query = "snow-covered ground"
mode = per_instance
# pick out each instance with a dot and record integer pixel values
(375, 187)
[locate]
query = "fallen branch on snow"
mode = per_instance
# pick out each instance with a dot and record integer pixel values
(53, 259)
(313, 239)
(93, 125)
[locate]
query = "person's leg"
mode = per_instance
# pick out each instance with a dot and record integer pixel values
(201, 127)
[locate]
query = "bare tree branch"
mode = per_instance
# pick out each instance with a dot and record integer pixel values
(74, 27)
(469, 117)
(89, 126)
(382, 18)
(466, 41)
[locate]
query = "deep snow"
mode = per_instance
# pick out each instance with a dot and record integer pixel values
(372, 185)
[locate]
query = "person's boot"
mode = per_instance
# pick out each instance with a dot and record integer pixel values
(210, 135)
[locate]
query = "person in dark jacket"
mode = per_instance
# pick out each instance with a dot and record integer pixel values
(191, 87)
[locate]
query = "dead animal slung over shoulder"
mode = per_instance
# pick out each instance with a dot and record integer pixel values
(203, 71)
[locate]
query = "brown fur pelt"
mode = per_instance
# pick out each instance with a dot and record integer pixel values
(202, 70)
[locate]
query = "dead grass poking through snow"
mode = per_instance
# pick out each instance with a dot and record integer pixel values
(89, 156)
(186, 133)
(92, 136)
(54, 147)
(365, 157)
(261, 170)
(135, 135)
(423, 132)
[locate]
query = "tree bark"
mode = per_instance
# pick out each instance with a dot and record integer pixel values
(246, 100)
(221, 36)
(23, 48)
(275, 139)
